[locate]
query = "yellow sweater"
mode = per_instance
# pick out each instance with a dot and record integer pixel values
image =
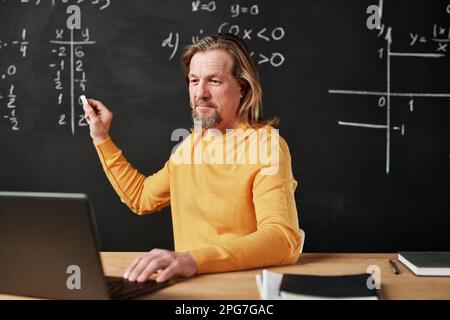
(229, 216)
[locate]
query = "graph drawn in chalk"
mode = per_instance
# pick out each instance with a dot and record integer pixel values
(70, 56)
(385, 96)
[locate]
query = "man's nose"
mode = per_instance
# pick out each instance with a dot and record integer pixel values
(202, 92)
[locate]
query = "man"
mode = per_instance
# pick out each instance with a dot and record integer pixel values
(225, 216)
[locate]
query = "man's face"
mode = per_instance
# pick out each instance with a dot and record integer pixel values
(213, 91)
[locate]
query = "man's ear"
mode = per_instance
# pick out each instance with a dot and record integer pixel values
(243, 90)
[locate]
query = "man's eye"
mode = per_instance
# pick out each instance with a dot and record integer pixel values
(215, 81)
(193, 81)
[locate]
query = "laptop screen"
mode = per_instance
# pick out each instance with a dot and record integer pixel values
(48, 246)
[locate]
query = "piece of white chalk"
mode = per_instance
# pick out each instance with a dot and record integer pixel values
(84, 100)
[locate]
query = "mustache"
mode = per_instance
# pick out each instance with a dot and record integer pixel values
(205, 104)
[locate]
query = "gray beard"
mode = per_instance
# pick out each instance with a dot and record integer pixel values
(207, 121)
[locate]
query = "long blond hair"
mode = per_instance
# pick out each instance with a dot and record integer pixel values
(243, 69)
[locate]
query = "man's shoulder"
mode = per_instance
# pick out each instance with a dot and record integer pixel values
(271, 134)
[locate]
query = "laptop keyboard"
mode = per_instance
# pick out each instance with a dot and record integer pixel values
(120, 288)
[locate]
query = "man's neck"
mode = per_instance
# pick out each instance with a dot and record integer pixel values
(233, 124)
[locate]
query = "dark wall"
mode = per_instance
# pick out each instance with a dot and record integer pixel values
(357, 192)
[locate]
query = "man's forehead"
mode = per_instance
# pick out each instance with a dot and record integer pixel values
(216, 61)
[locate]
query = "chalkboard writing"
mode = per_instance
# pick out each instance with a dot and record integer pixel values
(441, 37)
(70, 53)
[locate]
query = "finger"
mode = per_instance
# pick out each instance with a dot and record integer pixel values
(168, 273)
(139, 268)
(96, 104)
(152, 266)
(157, 252)
(155, 275)
(86, 116)
(149, 256)
(131, 267)
(90, 112)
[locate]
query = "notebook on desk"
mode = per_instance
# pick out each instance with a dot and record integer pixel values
(48, 249)
(426, 263)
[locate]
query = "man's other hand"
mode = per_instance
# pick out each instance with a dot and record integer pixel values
(169, 264)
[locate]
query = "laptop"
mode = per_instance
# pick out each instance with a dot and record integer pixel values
(49, 249)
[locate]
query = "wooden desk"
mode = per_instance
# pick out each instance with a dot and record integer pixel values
(242, 284)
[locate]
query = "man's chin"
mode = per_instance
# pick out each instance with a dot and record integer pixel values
(206, 122)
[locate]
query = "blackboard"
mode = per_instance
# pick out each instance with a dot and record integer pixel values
(365, 111)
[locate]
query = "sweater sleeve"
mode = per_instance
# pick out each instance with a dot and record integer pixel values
(140, 193)
(277, 239)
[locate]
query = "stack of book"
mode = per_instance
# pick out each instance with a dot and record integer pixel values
(277, 286)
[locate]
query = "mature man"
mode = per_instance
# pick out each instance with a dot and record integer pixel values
(226, 216)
